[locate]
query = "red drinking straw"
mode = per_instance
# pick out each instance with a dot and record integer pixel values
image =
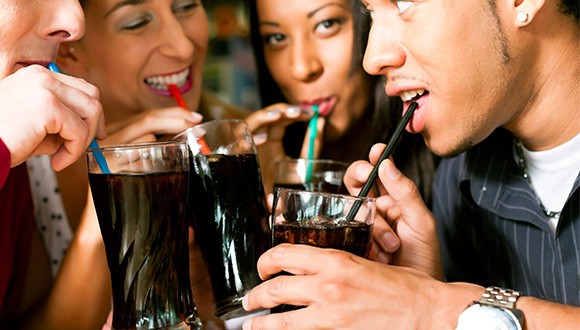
(177, 96)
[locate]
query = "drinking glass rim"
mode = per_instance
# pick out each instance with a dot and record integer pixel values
(315, 160)
(142, 145)
(206, 123)
(324, 194)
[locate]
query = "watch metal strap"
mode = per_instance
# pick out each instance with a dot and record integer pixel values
(500, 297)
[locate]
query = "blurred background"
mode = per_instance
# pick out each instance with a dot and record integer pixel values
(230, 69)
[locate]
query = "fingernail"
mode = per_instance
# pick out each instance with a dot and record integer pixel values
(390, 241)
(196, 116)
(391, 171)
(307, 110)
(273, 113)
(245, 302)
(383, 258)
(260, 138)
(247, 324)
(293, 110)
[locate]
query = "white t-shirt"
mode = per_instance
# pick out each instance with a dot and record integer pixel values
(553, 172)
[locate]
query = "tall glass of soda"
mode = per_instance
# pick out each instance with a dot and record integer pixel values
(228, 209)
(140, 193)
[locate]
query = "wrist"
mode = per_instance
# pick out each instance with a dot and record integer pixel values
(447, 302)
(496, 309)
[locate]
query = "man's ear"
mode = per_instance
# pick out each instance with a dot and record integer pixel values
(524, 11)
(70, 59)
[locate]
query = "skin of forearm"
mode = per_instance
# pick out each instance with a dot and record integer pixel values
(446, 301)
(542, 314)
(80, 297)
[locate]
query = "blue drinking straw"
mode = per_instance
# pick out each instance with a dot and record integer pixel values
(312, 125)
(94, 145)
(52, 67)
(99, 157)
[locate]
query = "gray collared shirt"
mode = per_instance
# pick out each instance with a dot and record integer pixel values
(493, 231)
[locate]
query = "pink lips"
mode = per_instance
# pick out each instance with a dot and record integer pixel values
(325, 106)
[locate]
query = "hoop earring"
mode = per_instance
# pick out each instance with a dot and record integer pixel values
(522, 17)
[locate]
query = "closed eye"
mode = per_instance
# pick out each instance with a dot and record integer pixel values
(137, 23)
(184, 6)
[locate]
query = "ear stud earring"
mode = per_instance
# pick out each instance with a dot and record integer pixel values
(522, 17)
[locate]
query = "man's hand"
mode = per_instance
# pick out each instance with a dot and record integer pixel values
(43, 112)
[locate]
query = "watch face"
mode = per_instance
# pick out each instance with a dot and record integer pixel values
(480, 317)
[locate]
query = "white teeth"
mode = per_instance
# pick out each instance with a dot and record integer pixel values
(409, 95)
(161, 82)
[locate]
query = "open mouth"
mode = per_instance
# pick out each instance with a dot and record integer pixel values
(162, 82)
(413, 95)
(325, 106)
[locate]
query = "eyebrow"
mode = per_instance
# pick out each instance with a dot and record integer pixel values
(124, 3)
(310, 14)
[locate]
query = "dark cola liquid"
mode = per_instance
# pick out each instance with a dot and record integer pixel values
(144, 227)
(353, 237)
(319, 186)
(229, 216)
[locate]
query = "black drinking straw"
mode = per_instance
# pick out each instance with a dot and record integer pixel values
(386, 154)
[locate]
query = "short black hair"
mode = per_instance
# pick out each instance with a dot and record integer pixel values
(571, 8)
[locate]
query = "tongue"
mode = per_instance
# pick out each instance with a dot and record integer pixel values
(417, 122)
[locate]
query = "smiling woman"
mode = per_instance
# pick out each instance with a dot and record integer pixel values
(132, 51)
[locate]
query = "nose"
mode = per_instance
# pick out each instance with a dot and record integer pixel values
(384, 51)
(66, 22)
(175, 42)
(305, 65)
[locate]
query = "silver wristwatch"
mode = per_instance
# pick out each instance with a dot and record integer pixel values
(495, 310)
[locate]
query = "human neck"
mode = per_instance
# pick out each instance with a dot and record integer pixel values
(552, 115)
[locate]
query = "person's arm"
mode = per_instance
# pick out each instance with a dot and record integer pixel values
(343, 291)
(541, 314)
(80, 296)
(148, 125)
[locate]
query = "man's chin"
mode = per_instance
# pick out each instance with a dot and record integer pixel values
(450, 150)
